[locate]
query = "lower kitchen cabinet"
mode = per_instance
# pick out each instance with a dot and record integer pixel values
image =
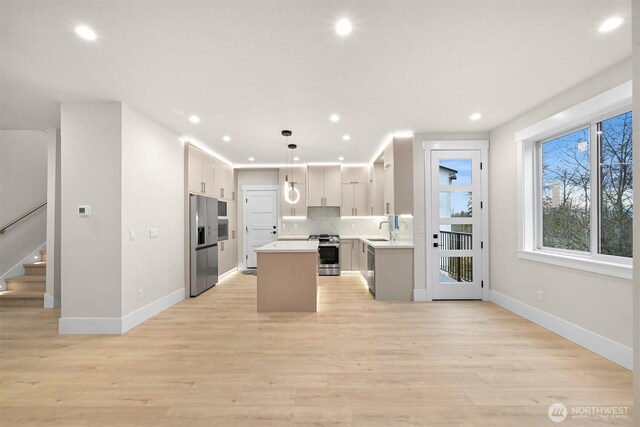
(350, 254)
(362, 255)
(394, 274)
(346, 252)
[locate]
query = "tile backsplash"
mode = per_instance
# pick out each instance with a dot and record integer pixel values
(327, 220)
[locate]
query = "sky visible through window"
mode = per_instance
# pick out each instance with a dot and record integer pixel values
(459, 199)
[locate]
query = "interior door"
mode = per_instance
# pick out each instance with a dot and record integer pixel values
(456, 260)
(261, 222)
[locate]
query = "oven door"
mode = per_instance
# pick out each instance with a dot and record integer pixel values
(329, 263)
(223, 230)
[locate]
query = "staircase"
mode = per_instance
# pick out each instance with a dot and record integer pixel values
(27, 290)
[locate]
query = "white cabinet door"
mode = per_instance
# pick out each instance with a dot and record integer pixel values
(332, 186)
(355, 255)
(346, 206)
(388, 191)
(315, 186)
(351, 175)
(208, 172)
(346, 249)
(360, 199)
(194, 174)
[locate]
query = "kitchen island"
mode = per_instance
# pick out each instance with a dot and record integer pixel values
(287, 276)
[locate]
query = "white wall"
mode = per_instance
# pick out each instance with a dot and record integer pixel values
(599, 304)
(130, 170)
(152, 197)
(53, 286)
(91, 171)
(250, 177)
(23, 186)
(420, 227)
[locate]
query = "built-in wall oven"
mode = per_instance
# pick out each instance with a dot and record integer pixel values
(328, 253)
(222, 209)
(223, 229)
(223, 221)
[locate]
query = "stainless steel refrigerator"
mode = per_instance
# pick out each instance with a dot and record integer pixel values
(203, 243)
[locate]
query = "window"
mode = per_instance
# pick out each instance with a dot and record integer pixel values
(615, 192)
(575, 186)
(586, 191)
(566, 184)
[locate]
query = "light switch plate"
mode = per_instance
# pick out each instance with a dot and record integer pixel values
(132, 235)
(84, 210)
(154, 233)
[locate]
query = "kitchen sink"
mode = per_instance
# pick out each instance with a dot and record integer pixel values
(377, 239)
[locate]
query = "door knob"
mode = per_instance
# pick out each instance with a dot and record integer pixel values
(273, 232)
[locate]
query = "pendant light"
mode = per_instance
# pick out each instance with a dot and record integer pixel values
(291, 193)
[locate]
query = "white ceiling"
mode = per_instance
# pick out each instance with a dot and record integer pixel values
(250, 69)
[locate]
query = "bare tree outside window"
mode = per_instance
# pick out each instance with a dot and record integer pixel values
(566, 192)
(616, 186)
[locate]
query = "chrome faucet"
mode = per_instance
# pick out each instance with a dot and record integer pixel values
(390, 230)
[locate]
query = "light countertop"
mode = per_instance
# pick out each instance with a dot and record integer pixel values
(289, 246)
(398, 244)
(385, 244)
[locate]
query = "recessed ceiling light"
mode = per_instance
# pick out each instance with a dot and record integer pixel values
(346, 137)
(341, 158)
(610, 24)
(226, 138)
(344, 27)
(295, 159)
(251, 159)
(194, 119)
(475, 116)
(334, 118)
(85, 32)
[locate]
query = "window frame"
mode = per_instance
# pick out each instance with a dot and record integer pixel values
(586, 114)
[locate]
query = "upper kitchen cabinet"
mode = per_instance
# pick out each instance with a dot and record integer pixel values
(397, 159)
(298, 176)
(353, 175)
(201, 170)
(354, 191)
(323, 186)
(224, 181)
(375, 189)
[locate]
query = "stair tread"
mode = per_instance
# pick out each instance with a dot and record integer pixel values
(27, 278)
(22, 294)
(41, 264)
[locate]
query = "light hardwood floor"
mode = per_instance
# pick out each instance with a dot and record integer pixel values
(213, 360)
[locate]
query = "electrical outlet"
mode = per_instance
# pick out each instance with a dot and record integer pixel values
(353, 226)
(140, 294)
(295, 226)
(132, 235)
(540, 296)
(154, 233)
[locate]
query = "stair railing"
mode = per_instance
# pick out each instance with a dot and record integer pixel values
(21, 217)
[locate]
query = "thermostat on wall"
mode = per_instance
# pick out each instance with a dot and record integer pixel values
(84, 210)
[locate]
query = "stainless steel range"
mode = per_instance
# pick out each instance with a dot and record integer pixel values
(329, 252)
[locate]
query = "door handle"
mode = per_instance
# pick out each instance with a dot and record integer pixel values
(435, 245)
(273, 232)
